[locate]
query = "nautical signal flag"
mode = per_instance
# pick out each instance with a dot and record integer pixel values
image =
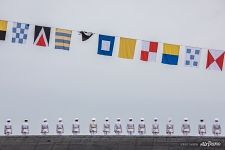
(3, 29)
(19, 32)
(170, 54)
(62, 39)
(85, 35)
(149, 51)
(215, 60)
(105, 45)
(192, 56)
(42, 36)
(127, 48)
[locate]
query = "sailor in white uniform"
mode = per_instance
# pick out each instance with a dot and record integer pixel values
(169, 127)
(130, 127)
(155, 127)
(202, 128)
(76, 127)
(186, 128)
(141, 127)
(44, 127)
(118, 127)
(216, 128)
(106, 126)
(59, 127)
(8, 127)
(93, 127)
(25, 127)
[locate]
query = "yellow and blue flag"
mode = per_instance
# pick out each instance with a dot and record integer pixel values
(170, 54)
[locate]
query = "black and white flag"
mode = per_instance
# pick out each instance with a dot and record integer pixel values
(85, 35)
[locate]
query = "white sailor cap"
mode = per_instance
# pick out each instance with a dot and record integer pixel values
(185, 119)
(155, 119)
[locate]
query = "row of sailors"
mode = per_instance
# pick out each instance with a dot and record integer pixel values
(185, 129)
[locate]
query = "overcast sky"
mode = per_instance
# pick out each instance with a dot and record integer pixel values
(37, 82)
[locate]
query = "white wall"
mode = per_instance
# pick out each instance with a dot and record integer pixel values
(38, 82)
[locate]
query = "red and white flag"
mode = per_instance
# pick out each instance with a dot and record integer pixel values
(149, 51)
(215, 60)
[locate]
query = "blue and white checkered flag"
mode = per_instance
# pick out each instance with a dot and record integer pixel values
(192, 58)
(19, 32)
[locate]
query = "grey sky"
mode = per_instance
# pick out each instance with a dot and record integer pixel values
(38, 82)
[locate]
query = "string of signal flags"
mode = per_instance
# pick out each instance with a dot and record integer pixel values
(127, 46)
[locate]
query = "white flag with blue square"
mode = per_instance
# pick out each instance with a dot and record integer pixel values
(192, 58)
(19, 32)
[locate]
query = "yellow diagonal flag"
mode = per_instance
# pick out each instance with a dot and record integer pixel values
(127, 48)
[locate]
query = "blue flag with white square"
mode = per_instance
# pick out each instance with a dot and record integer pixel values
(192, 58)
(105, 45)
(19, 32)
